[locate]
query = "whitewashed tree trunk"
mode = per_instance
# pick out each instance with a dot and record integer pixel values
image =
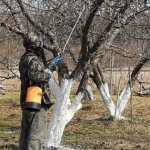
(122, 102)
(104, 91)
(126, 93)
(63, 112)
(88, 93)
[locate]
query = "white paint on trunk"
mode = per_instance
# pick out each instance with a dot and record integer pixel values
(63, 112)
(122, 102)
(88, 93)
(104, 91)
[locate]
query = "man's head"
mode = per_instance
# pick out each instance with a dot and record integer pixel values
(33, 42)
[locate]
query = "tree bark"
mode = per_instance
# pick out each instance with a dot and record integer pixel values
(63, 112)
(103, 89)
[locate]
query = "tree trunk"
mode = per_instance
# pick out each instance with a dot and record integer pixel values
(103, 90)
(63, 112)
(88, 93)
(126, 93)
(122, 100)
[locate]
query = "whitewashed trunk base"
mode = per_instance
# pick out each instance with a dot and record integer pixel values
(122, 102)
(104, 91)
(63, 112)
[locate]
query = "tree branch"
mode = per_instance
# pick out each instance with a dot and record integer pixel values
(14, 30)
(37, 26)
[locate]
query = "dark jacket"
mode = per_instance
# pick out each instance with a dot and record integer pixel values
(31, 69)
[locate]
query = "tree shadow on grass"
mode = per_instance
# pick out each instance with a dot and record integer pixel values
(105, 121)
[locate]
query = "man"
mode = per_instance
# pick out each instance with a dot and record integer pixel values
(33, 73)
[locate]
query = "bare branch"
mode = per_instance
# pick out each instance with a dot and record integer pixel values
(37, 26)
(14, 30)
(16, 19)
(123, 52)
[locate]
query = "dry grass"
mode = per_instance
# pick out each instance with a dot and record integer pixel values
(89, 129)
(9, 120)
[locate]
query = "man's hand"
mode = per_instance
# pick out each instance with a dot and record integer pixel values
(56, 60)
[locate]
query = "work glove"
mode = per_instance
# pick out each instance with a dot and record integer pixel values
(48, 72)
(56, 60)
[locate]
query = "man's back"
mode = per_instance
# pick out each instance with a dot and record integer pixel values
(28, 65)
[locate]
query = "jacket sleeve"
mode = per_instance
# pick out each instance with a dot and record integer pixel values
(36, 71)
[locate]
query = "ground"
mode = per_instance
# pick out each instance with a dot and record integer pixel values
(89, 129)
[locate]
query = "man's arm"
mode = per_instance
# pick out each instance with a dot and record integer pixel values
(36, 71)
